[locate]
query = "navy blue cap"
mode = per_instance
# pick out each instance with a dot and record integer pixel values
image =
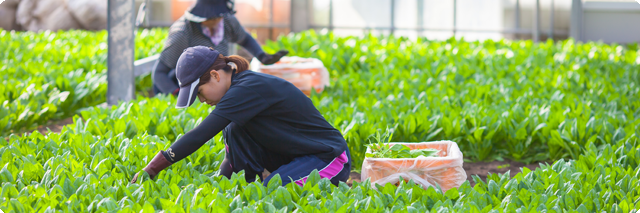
(192, 64)
(203, 10)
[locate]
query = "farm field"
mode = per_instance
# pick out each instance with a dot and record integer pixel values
(576, 105)
(50, 76)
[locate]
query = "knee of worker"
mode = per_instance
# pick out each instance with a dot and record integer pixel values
(226, 169)
(243, 152)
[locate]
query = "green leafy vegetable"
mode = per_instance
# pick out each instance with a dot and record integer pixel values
(52, 75)
(77, 171)
(497, 99)
(398, 151)
(576, 103)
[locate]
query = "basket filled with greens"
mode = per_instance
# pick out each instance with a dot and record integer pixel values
(426, 163)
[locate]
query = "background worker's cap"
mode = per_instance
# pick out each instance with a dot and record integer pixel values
(192, 64)
(203, 10)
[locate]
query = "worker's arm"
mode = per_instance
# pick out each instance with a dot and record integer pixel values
(244, 39)
(239, 36)
(162, 80)
(186, 145)
(251, 45)
(194, 139)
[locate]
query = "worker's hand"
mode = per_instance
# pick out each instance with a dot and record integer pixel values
(268, 59)
(157, 164)
(140, 175)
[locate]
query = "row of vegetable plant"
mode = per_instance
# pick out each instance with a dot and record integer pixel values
(520, 100)
(51, 75)
(86, 169)
(480, 94)
(513, 113)
(512, 99)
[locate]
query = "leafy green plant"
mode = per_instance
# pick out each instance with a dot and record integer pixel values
(574, 102)
(398, 151)
(77, 170)
(51, 75)
(497, 99)
(154, 116)
(380, 148)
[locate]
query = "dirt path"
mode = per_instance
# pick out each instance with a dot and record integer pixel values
(54, 126)
(482, 169)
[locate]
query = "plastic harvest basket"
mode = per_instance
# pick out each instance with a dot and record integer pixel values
(304, 73)
(445, 170)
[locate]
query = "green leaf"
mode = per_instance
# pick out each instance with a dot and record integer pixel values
(477, 134)
(6, 175)
(147, 208)
(274, 183)
(521, 134)
(452, 194)
(236, 203)
(313, 178)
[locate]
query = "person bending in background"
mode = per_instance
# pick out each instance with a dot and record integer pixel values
(208, 23)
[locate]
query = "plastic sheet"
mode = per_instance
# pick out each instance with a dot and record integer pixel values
(25, 17)
(7, 17)
(445, 170)
(8, 10)
(54, 15)
(60, 19)
(304, 73)
(91, 14)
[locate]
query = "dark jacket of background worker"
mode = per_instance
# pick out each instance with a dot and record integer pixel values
(208, 23)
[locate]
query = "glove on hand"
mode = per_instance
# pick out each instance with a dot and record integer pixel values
(267, 59)
(157, 164)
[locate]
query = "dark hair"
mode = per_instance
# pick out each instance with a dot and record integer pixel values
(222, 62)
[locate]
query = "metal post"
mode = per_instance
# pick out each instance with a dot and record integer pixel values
(517, 14)
(536, 22)
(393, 16)
(271, 20)
(575, 30)
(299, 15)
(420, 16)
(454, 16)
(147, 13)
(330, 14)
(552, 19)
(120, 56)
